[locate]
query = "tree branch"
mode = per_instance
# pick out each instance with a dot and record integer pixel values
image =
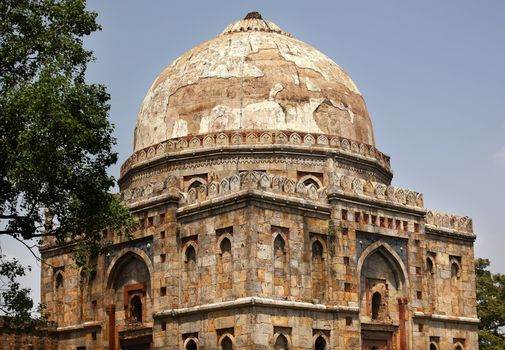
(20, 240)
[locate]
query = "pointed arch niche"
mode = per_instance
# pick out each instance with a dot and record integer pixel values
(129, 286)
(225, 265)
(318, 269)
(280, 260)
(189, 272)
(383, 292)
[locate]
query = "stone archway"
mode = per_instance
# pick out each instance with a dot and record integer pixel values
(128, 292)
(383, 293)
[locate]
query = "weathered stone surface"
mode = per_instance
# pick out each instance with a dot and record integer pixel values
(268, 219)
(257, 78)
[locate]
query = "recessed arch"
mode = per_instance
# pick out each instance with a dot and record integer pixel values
(59, 280)
(279, 243)
(317, 249)
(430, 265)
(376, 303)
(225, 245)
(191, 344)
(136, 309)
(455, 269)
(196, 182)
(311, 180)
(190, 253)
(433, 346)
(391, 256)
(459, 346)
(226, 342)
(123, 258)
(281, 342)
(320, 341)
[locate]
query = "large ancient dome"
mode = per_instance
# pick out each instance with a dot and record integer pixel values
(253, 76)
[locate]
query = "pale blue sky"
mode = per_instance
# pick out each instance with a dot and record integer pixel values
(431, 73)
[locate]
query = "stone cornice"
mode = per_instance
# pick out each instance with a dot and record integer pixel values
(259, 197)
(446, 318)
(191, 147)
(254, 301)
(79, 327)
(163, 199)
(374, 203)
(450, 234)
(50, 250)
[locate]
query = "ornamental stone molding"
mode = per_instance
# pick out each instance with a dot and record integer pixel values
(254, 138)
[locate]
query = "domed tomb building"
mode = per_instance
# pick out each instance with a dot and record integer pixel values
(267, 219)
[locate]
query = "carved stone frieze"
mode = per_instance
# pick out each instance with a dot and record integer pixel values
(356, 186)
(443, 221)
(206, 141)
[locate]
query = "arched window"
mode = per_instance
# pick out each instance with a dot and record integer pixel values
(280, 267)
(224, 268)
(454, 270)
(376, 303)
(317, 250)
(279, 244)
(429, 266)
(226, 343)
(59, 281)
(225, 246)
(195, 185)
(317, 272)
(281, 342)
(458, 347)
(190, 254)
(191, 345)
(433, 347)
(311, 182)
(320, 343)
(136, 309)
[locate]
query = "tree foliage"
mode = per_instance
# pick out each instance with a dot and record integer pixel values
(55, 137)
(490, 306)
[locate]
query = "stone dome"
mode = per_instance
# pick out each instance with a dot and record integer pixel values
(253, 76)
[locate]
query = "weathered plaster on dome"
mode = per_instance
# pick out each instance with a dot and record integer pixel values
(311, 86)
(252, 79)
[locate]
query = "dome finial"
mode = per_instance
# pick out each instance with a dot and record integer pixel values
(253, 15)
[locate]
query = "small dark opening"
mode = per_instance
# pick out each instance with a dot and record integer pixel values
(429, 265)
(136, 309)
(281, 342)
(195, 185)
(320, 343)
(279, 244)
(433, 347)
(225, 246)
(226, 344)
(454, 270)
(190, 254)
(317, 250)
(191, 345)
(311, 182)
(376, 303)
(59, 281)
